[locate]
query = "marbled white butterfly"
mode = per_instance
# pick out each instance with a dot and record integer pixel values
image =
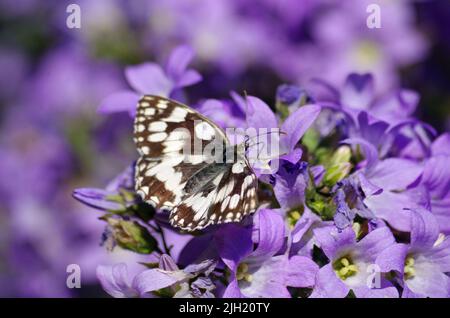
(199, 188)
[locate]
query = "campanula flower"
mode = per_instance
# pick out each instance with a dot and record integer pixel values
(351, 263)
(421, 265)
(151, 78)
(265, 271)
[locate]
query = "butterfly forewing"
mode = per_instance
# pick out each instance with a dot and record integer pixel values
(175, 174)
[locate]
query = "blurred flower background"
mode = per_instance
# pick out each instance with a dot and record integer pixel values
(53, 80)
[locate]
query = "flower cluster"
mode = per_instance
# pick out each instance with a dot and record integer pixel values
(359, 207)
(293, 55)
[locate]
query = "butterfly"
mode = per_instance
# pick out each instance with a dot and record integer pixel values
(198, 188)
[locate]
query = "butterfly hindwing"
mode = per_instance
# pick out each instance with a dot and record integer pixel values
(228, 197)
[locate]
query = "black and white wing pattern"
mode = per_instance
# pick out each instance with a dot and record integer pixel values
(197, 190)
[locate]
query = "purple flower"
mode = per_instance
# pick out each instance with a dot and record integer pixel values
(441, 146)
(343, 42)
(303, 233)
(259, 115)
(264, 271)
(73, 97)
(224, 113)
(343, 216)
(358, 92)
(289, 184)
(352, 263)
(421, 265)
(436, 180)
(385, 185)
(288, 94)
(111, 198)
(151, 78)
(14, 66)
(115, 280)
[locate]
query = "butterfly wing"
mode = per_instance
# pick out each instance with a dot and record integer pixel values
(198, 192)
(228, 197)
(170, 138)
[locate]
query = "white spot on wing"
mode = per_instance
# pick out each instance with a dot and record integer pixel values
(234, 201)
(204, 131)
(157, 126)
(158, 137)
(238, 167)
(178, 115)
(224, 204)
(149, 111)
(140, 128)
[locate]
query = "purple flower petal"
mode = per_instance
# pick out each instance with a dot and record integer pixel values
(197, 248)
(206, 266)
(367, 186)
(290, 185)
(190, 77)
(332, 242)
(123, 101)
(441, 146)
(301, 272)
(358, 91)
(167, 263)
(293, 156)
(394, 173)
(304, 224)
(436, 176)
(429, 280)
(424, 229)
(440, 255)
(178, 61)
(366, 292)
(124, 180)
(288, 94)
(97, 198)
(374, 243)
(370, 152)
(297, 124)
(239, 101)
(114, 280)
(343, 217)
(373, 131)
(259, 114)
(149, 78)
(268, 280)
(440, 209)
(328, 285)
(393, 258)
(232, 251)
(233, 290)
(155, 279)
(271, 229)
(396, 106)
(390, 206)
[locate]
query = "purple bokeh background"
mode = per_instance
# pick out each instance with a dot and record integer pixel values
(53, 79)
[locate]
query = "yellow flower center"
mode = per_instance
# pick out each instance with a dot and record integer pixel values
(292, 217)
(366, 54)
(344, 267)
(242, 273)
(409, 271)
